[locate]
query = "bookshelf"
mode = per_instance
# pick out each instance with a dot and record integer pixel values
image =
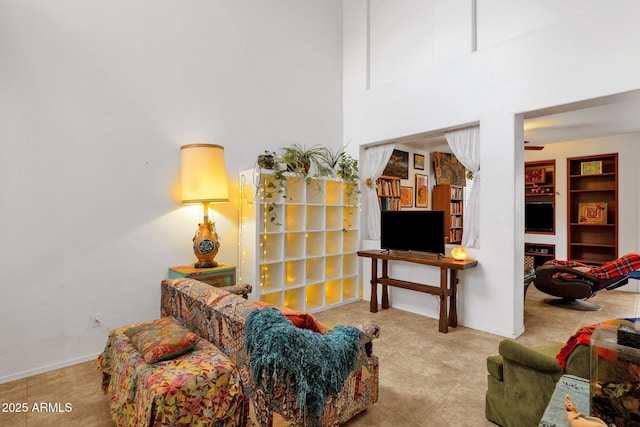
(449, 198)
(388, 189)
(592, 208)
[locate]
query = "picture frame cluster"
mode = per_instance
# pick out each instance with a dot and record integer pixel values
(398, 166)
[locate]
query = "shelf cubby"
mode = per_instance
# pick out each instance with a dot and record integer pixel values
(349, 241)
(334, 217)
(315, 244)
(316, 192)
(333, 292)
(271, 277)
(268, 190)
(334, 242)
(294, 299)
(265, 215)
(271, 247)
(315, 297)
(294, 245)
(294, 273)
(294, 218)
(350, 287)
(349, 265)
(349, 197)
(296, 190)
(334, 192)
(350, 218)
(333, 266)
(315, 217)
(315, 269)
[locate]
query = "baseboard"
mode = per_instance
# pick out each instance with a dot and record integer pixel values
(47, 368)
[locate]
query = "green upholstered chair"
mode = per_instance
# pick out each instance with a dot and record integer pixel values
(521, 381)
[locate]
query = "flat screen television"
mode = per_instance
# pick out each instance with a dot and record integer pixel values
(420, 231)
(538, 216)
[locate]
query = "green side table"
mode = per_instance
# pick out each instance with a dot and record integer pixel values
(220, 276)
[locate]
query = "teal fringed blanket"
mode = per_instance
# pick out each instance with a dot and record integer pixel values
(316, 365)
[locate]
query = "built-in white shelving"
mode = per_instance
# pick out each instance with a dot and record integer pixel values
(305, 259)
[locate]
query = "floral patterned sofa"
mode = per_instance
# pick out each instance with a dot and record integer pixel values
(219, 317)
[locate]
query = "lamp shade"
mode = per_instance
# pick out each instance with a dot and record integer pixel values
(204, 178)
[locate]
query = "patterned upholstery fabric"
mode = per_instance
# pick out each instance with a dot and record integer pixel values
(200, 388)
(220, 318)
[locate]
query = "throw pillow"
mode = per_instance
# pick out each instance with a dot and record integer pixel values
(162, 339)
(300, 319)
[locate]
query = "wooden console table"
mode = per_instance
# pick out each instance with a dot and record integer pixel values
(446, 288)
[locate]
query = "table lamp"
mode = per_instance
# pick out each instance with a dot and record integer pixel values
(204, 180)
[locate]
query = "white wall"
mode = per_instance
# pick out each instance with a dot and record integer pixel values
(97, 98)
(558, 59)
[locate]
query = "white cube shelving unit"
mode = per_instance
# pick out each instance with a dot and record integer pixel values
(307, 258)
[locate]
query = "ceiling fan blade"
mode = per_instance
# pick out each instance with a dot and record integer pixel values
(534, 147)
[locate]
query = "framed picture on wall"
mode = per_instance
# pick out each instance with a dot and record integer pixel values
(418, 162)
(398, 165)
(422, 191)
(406, 197)
(448, 170)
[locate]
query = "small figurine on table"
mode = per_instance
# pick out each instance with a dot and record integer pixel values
(577, 419)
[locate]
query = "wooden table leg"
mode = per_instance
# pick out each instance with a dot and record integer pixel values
(385, 292)
(453, 298)
(373, 304)
(443, 325)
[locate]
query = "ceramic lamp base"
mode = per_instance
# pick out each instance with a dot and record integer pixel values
(206, 245)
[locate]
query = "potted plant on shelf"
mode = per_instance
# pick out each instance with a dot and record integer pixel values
(342, 165)
(300, 161)
(267, 160)
(296, 159)
(299, 158)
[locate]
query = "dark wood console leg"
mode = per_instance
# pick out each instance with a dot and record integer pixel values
(453, 298)
(443, 325)
(373, 304)
(385, 291)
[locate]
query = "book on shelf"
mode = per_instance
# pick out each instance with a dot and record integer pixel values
(456, 193)
(388, 187)
(388, 204)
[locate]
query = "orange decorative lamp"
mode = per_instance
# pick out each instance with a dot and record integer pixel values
(204, 180)
(459, 253)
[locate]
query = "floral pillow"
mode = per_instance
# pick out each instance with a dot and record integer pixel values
(162, 339)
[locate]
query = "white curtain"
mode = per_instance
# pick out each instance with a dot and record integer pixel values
(375, 160)
(465, 144)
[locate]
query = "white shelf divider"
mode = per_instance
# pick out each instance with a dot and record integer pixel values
(305, 258)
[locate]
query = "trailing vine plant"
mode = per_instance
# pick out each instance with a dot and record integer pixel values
(299, 161)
